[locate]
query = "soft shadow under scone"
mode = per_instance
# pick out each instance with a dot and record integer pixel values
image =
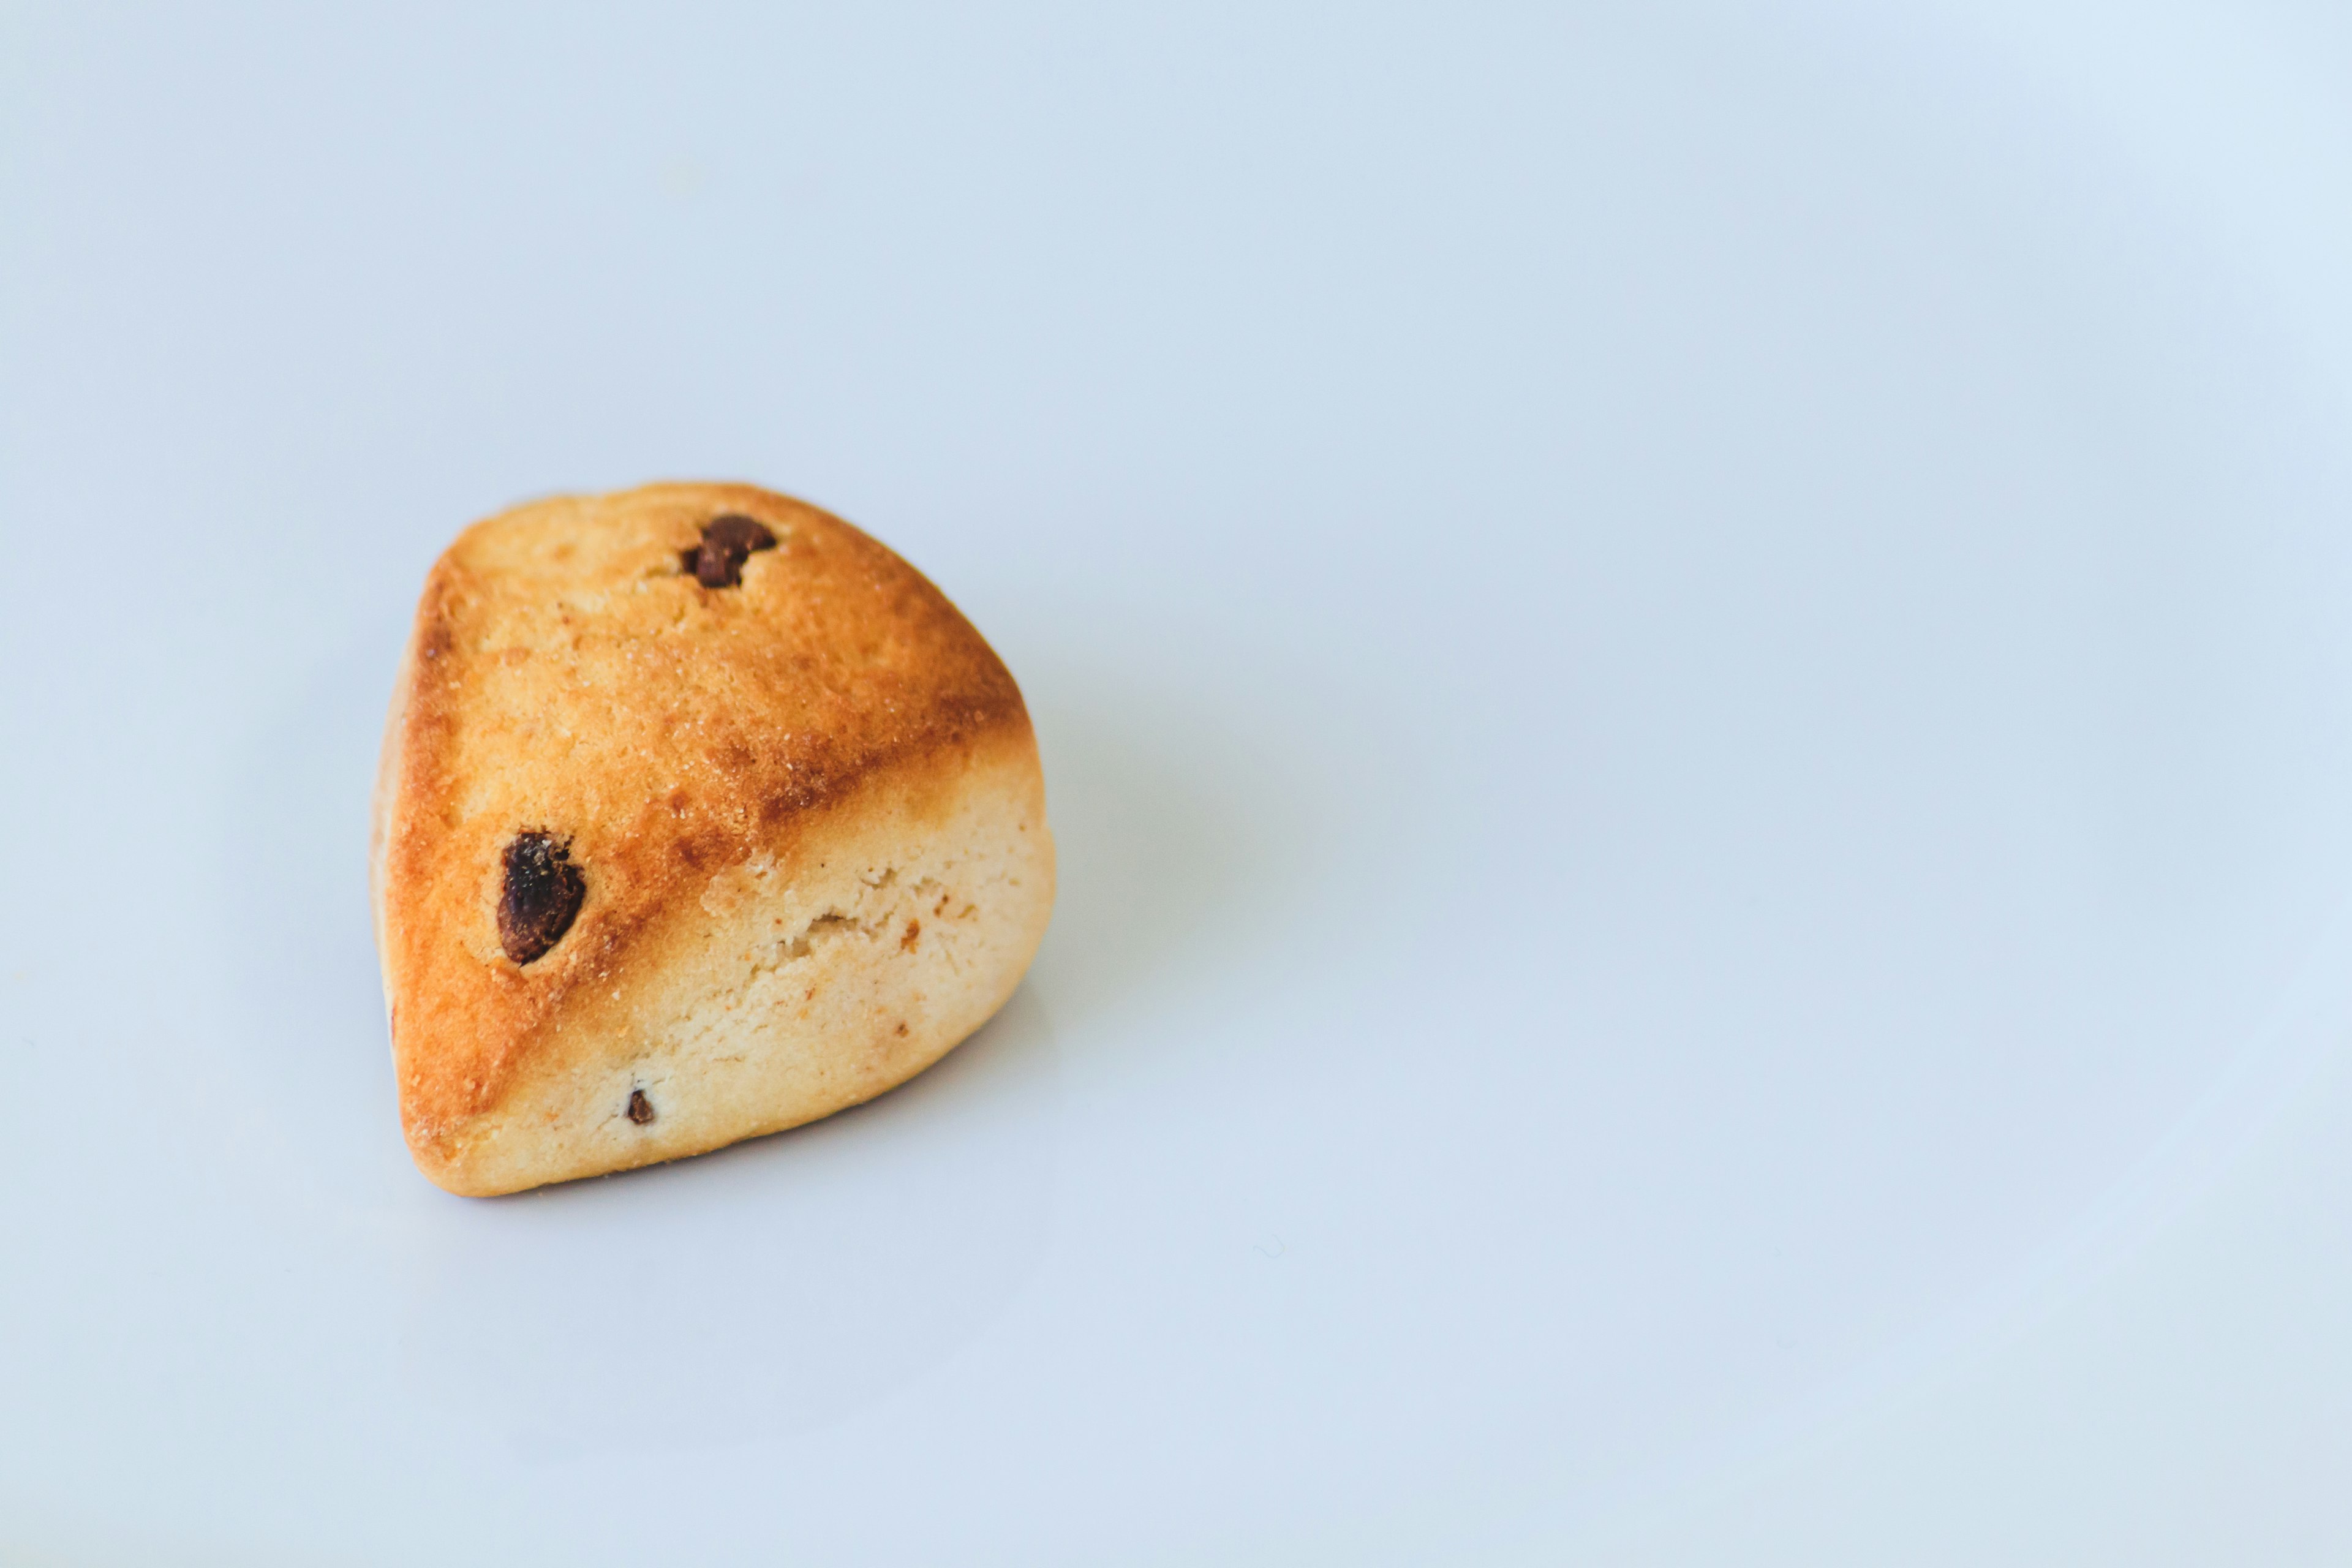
(701, 814)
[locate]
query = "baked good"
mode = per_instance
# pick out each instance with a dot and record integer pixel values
(700, 815)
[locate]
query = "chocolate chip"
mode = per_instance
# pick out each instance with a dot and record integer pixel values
(542, 894)
(727, 542)
(736, 532)
(714, 568)
(641, 1110)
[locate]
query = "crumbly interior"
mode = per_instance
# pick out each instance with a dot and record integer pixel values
(797, 991)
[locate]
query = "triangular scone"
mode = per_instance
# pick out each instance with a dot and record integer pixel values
(701, 814)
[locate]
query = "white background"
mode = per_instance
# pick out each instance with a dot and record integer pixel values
(1695, 678)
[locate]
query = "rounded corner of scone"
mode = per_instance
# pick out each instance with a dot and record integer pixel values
(701, 814)
(448, 1171)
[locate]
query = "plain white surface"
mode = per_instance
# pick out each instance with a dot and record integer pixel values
(1694, 676)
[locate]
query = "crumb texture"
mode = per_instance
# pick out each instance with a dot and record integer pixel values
(668, 853)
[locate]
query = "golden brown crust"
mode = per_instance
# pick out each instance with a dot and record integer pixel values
(567, 677)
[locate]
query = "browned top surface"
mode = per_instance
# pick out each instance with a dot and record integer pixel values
(566, 676)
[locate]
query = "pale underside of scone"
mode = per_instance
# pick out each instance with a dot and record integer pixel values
(674, 852)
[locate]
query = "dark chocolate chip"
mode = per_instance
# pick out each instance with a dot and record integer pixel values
(736, 532)
(641, 1110)
(542, 894)
(727, 542)
(717, 568)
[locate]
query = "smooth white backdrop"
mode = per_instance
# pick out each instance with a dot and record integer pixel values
(1695, 674)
